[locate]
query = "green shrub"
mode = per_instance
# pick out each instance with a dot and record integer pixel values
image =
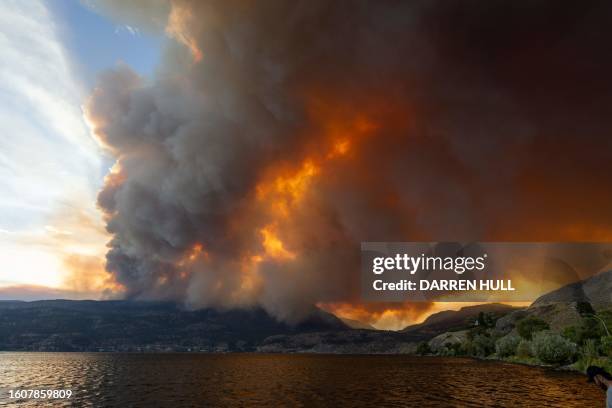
(480, 346)
(447, 351)
(423, 348)
(573, 334)
(530, 325)
(581, 365)
(604, 362)
(524, 349)
(589, 328)
(584, 308)
(459, 349)
(476, 331)
(553, 348)
(606, 315)
(507, 345)
(485, 320)
(606, 346)
(589, 352)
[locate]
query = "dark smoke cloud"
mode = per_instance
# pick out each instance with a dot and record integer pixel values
(490, 120)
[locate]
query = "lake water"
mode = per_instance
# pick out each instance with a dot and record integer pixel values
(177, 380)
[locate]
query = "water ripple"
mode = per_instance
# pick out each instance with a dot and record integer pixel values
(186, 380)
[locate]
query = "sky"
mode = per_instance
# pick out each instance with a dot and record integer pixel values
(51, 168)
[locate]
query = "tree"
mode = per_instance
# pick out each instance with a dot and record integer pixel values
(423, 348)
(592, 329)
(588, 352)
(573, 334)
(524, 349)
(606, 345)
(507, 345)
(588, 329)
(584, 309)
(530, 325)
(485, 320)
(553, 348)
(480, 346)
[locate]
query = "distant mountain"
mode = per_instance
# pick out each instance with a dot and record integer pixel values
(359, 341)
(66, 325)
(451, 320)
(596, 290)
(357, 324)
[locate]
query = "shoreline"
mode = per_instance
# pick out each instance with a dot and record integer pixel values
(562, 368)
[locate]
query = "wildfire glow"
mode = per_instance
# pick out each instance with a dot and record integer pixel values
(196, 250)
(273, 246)
(341, 147)
(284, 191)
(195, 253)
(396, 316)
(287, 190)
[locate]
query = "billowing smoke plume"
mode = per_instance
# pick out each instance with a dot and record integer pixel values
(278, 135)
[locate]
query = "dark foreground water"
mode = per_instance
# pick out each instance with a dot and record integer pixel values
(177, 380)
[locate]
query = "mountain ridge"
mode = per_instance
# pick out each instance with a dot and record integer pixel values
(124, 325)
(596, 289)
(127, 325)
(449, 320)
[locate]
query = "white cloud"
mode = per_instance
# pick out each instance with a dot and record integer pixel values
(50, 167)
(127, 28)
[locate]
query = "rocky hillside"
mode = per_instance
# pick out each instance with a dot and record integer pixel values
(558, 308)
(368, 341)
(596, 290)
(451, 320)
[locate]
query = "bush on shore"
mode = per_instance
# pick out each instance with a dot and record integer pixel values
(582, 344)
(588, 329)
(524, 349)
(606, 346)
(507, 345)
(423, 348)
(588, 355)
(528, 326)
(552, 348)
(480, 346)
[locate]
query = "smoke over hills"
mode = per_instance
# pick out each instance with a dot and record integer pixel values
(278, 135)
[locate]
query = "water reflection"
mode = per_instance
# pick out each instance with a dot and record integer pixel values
(290, 380)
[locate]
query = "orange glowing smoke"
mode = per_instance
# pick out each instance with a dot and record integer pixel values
(358, 167)
(195, 253)
(283, 189)
(284, 195)
(86, 274)
(179, 19)
(192, 254)
(396, 316)
(384, 316)
(273, 246)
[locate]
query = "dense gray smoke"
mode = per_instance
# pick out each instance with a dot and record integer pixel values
(278, 135)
